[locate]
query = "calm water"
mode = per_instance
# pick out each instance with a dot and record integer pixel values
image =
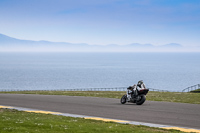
(46, 71)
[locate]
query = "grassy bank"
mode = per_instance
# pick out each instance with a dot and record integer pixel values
(197, 90)
(24, 122)
(180, 97)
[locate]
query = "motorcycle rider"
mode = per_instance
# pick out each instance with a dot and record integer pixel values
(133, 89)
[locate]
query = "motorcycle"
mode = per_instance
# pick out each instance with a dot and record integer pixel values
(139, 99)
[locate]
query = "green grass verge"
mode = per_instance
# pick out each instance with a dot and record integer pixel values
(193, 98)
(195, 90)
(180, 97)
(24, 122)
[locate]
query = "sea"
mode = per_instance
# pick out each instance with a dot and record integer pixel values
(56, 71)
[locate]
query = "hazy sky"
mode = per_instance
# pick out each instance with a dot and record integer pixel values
(103, 21)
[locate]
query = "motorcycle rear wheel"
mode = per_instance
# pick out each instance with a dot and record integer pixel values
(142, 100)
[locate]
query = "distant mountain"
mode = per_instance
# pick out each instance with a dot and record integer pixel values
(172, 45)
(12, 44)
(4, 40)
(7, 40)
(140, 45)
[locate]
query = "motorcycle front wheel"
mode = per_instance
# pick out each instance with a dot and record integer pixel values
(123, 99)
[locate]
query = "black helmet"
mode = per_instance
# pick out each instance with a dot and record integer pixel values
(140, 82)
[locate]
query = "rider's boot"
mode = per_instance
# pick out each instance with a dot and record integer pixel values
(135, 94)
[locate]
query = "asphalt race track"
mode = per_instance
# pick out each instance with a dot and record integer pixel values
(174, 114)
